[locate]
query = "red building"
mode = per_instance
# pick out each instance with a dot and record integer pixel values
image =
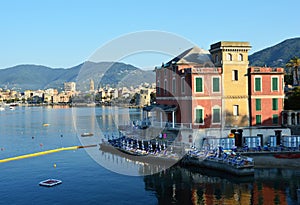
(198, 89)
(186, 82)
(266, 91)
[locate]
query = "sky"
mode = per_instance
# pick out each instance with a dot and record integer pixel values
(63, 34)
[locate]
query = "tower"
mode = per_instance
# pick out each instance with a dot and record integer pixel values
(232, 57)
(92, 85)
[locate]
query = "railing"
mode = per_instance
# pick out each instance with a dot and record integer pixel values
(172, 125)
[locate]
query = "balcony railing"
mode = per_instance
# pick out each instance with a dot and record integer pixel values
(172, 125)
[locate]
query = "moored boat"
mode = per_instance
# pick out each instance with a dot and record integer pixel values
(87, 134)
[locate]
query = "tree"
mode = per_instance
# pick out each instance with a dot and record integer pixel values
(290, 103)
(294, 64)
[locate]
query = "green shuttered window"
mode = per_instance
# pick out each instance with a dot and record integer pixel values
(216, 115)
(199, 85)
(274, 104)
(258, 104)
(216, 84)
(275, 84)
(199, 115)
(275, 119)
(258, 119)
(257, 84)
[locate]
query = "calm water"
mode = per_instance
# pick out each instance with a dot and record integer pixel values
(87, 173)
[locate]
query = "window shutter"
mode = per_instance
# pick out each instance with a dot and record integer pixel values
(199, 85)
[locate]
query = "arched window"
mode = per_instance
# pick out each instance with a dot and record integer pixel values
(165, 86)
(229, 57)
(173, 86)
(240, 57)
(158, 87)
(217, 59)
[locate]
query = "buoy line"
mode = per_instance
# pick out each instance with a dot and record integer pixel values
(44, 153)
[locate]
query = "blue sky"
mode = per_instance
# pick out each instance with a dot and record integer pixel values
(65, 33)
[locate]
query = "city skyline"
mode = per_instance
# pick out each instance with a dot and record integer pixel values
(65, 34)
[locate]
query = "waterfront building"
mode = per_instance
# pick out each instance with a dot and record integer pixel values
(143, 97)
(266, 87)
(70, 87)
(218, 90)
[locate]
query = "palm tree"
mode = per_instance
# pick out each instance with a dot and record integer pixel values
(294, 63)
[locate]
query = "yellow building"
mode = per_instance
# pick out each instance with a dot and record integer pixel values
(233, 58)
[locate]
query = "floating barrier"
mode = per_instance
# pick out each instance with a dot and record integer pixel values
(44, 153)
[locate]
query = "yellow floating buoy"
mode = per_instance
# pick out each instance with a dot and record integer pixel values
(46, 124)
(54, 165)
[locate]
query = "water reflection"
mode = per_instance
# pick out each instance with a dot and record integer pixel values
(185, 186)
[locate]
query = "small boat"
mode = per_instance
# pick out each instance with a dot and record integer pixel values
(46, 124)
(50, 182)
(2, 108)
(87, 134)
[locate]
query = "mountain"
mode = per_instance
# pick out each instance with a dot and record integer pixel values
(115, 74)
(277, 55)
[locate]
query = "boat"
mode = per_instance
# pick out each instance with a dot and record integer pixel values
(287, 156)
(2, 108)
(87, 134)
(228, 161)
(50, 182)
(46, 124)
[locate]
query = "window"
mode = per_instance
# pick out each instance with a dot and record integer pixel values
(275, 119)
(158, 73)
(158, 87)
(216, 115)
(240, 58)
(258, 119)
(275, 84)
(174, 86)
(199, 85)
(257, 84)
(165, 87)
(235, 110)
(274, 104)
(216, 84)
(235, 75)
(199, 115)
(229, 57)
(216, 58)
(174, 69)
(258, 104)
(182, 84)
(165, 70)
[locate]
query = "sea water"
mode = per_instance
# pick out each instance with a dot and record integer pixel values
(86, 180)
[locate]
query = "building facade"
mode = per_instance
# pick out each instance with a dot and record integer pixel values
(218, 89)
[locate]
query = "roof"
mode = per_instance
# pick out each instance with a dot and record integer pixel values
(194, 55)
